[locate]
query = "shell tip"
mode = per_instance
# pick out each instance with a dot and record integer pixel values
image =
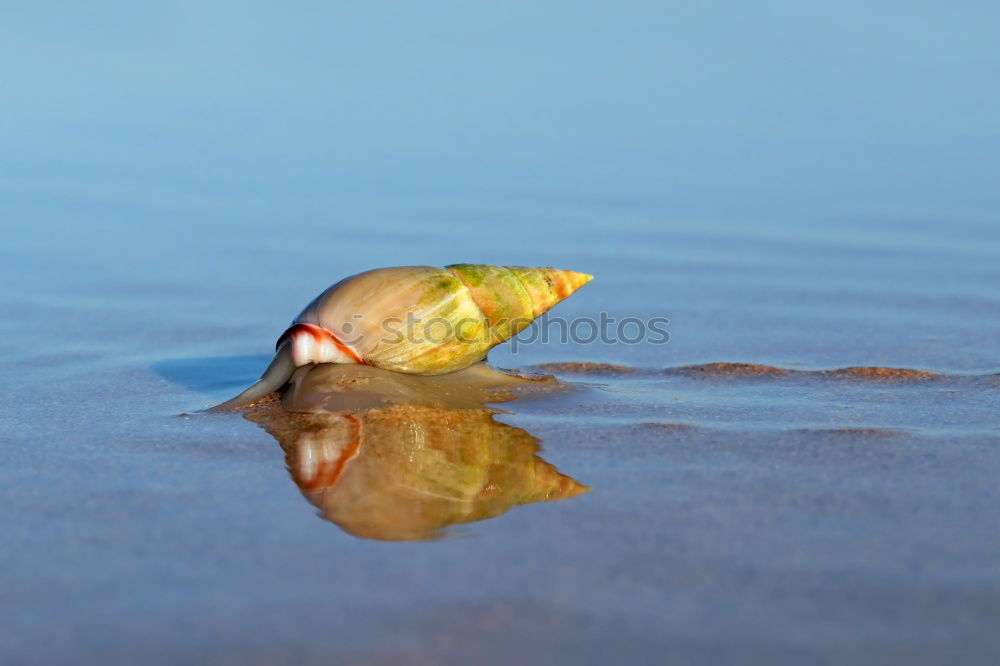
(575, 280)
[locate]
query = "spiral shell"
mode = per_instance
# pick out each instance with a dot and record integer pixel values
(420, 320)
(425, 320)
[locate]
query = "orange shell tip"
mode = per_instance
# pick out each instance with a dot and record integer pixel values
(576, 280)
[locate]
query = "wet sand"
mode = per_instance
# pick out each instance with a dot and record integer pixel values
(795, 492)
(790, 515)
(792, 502)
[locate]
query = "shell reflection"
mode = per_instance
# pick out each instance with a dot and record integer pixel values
(405, 471)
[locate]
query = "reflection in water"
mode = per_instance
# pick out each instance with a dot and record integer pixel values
(390, 469)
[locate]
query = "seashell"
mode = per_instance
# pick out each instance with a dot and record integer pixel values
(419, 320)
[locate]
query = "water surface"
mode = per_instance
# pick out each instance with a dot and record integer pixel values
(805, 188)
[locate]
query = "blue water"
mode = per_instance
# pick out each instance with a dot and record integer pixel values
(804, 186)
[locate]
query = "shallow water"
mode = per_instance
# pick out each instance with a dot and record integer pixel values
(792, 187)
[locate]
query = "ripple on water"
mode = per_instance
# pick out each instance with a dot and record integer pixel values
(736, 369)
(880, 373)
(730, 370)
(588, 368)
